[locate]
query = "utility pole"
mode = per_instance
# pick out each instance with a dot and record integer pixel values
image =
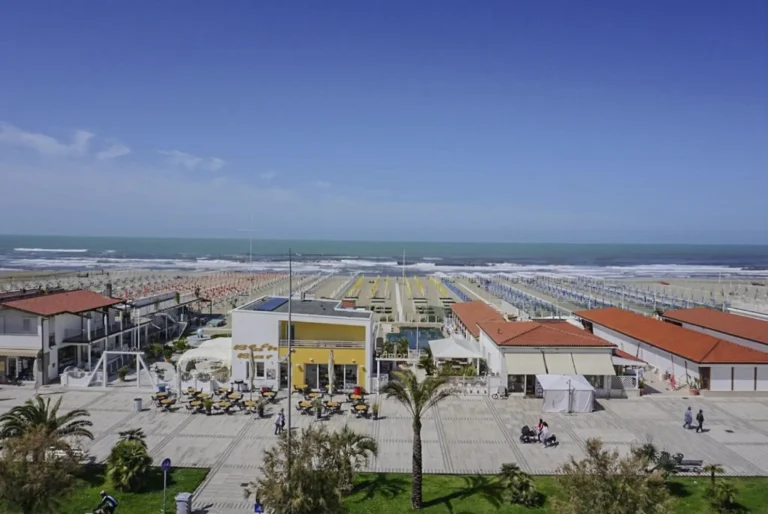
(290, 364)
(250, 231)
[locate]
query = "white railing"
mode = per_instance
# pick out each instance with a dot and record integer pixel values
(310, 343)
(625, 382)
(469, 386)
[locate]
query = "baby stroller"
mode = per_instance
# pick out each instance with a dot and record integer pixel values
(528, 435)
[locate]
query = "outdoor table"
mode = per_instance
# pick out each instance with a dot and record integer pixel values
(192, 390)
(234, 396)
(223, 405)
(332, 404)
(196, 403)
(304, 404)
(250, 403)
(360, 407)
(268, 394)
(204, 395)
(314, 395)
(161, 395)
(224, 390)
(168, 401)
(356, 396)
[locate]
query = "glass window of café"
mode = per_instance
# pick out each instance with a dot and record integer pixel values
(316, 376)
(344, 376)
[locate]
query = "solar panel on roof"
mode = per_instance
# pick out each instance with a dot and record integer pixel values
(271, 304)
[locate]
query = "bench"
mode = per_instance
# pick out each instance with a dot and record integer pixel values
(684, 465)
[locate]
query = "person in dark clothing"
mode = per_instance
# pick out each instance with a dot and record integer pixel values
(700, 421)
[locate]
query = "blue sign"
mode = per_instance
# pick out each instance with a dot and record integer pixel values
(166, 465)
(258, 508)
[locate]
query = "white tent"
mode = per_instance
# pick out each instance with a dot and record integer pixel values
(454, 348)
(567, 393)
(209, 356)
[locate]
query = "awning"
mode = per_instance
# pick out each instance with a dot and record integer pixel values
(621, 361)
(525, 364)
(559, 364)
(18, 352)
(593, 364)
(454, 348)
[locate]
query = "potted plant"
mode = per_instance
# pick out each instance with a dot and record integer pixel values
(167, 353)
(122, 373)
(641, 386)
(694, 386)
(317, 405)
(375, 410)
(208, 405)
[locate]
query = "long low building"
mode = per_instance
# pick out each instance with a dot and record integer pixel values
(520, 350)
(719, 364)
(741, 330)
(467, 315)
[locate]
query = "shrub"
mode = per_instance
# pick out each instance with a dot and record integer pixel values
(122, 373)
(518, 487)
(129, 465)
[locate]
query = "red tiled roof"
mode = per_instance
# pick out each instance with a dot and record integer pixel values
(531, 333)
(348, 304)
(691, 345)
(731, 324)
(471, 313)
(624, 355)
(59, 303)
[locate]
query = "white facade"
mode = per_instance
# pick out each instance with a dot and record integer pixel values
(722, 377)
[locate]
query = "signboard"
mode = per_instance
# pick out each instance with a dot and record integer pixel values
(166, 465)
(258, 508)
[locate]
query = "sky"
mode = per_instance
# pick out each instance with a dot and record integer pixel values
(547, 121)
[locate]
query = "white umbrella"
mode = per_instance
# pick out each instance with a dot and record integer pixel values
(251, 371)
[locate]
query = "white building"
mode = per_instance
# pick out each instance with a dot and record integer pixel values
(518, 351)
(466, 316)
(50, 331)
(719, 364)
(330, 343)
(749, 332)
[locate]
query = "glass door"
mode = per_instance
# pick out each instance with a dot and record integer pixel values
(310, 375)
(350, 376)
(283, 375)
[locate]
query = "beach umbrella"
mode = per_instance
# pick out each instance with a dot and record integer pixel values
(330, 372)
(251, 371)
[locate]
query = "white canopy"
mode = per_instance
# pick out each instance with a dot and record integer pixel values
(567, 393)
(210, 355)
(454, 348)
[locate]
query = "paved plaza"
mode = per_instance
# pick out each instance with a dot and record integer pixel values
(462, 435)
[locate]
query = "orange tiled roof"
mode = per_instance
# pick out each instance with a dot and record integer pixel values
(624, 355)
(531, 333)
(59, 303)
(731, 324)
(471, 313)
(691, 345)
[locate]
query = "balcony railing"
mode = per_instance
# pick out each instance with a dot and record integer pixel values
(81, 336)
(310, 343)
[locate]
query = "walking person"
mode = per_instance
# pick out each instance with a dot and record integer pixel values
(279, 421)
(688, 419)
(700, 420)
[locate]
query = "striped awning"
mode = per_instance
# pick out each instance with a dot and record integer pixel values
(560, 364)
(593, 364)
(18, 352)
(525, 364)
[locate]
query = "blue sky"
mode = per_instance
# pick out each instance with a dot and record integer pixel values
(594, 121)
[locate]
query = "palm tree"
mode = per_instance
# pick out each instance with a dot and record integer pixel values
(427, 362)
(133, 434)
(518, 486)
(418, 398)
(128, 465)
(713, 469)
(352, 451)
(38, 413)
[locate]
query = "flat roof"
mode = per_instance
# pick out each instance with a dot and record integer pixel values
(309, 307)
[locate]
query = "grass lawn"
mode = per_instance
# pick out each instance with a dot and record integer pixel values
(86, 497)
(382, 493)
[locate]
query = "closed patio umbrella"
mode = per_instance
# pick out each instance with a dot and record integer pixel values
(251, 371)
(330, 373)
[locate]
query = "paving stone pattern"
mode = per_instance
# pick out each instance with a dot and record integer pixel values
(461, 435)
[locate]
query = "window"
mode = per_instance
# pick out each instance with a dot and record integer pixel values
(259, 369)
(344, 376)
(26, 324)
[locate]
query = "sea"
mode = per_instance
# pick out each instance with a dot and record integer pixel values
(18, 252)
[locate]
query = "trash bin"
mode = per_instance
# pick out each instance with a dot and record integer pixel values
(184, 503)
(137, 405)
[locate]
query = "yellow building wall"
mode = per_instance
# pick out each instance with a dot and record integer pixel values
(302, 356)
(322, 331)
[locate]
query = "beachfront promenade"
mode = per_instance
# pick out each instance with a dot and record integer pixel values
(462, 435)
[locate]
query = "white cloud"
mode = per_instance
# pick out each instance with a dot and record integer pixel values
(267, 175)
(113, 152)
(192, 162)
(321, 184)
(43, 143)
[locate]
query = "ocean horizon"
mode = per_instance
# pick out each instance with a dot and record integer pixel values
(30, 252)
